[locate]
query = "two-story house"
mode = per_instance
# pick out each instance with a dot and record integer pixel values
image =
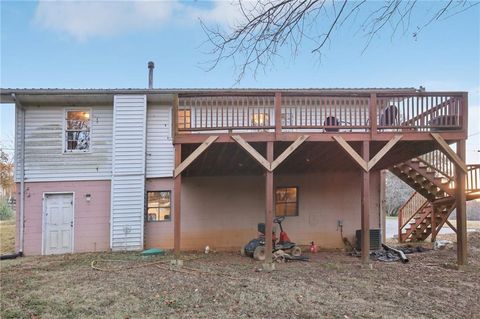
(128, 169)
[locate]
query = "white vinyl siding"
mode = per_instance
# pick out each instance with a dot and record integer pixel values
(160, 151)
(45, 159)
(128, 180)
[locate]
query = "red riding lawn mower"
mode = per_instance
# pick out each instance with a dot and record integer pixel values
(256, 247)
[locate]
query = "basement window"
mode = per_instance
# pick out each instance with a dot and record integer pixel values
(286, 201)
(77, 130)
(158, 206)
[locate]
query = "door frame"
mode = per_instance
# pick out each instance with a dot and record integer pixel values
(44, 221)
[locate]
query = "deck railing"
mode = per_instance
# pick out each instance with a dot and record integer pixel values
(327, 113)
(426, 112)
(439, 163)
(473, 178)
(321, 112)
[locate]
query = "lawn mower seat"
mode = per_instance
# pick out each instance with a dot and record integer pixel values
(261, 228)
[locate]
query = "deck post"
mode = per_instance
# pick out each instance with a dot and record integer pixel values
(373, 114)
(383, 204)
(268, 207)
(365, 194)
(434, 224)
(278, 114)
(460, 197)
(177, 194)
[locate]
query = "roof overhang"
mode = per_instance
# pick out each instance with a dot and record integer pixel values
(67, 97)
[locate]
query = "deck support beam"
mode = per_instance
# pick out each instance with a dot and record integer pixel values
(451, 226)
(365, 200)
(352, 153)
(179, 168)
(274, 164)
(268, 207)
(447, 150)
(367, 164)
(383, 151)
(253, 152)
(460, 198)
(433, 221)
(177, 193)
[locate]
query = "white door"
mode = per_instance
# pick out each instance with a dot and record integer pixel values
(58, 231)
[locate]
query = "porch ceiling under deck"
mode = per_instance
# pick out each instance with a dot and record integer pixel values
(231, 159)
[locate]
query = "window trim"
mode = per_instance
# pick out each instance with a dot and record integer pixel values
(64, 130)
(146, 206)
(297, 202)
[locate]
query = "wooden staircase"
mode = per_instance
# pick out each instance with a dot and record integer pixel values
(427, 210)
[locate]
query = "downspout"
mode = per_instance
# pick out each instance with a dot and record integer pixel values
(22, 175)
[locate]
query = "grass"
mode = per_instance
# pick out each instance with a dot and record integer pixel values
(226, 285)
(7, 236)
(471, 224)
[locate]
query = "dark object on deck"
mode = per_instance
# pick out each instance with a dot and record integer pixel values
(375, 239)
(331, 121)
(401, 255)
(448, 122)
(11, 256)
(389, 116)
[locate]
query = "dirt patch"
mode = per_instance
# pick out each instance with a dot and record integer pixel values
(226, 285)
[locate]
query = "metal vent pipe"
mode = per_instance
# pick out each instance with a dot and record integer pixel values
(151, 66)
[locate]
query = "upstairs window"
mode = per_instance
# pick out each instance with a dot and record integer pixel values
(286, 201)
(158, 206)
(77, 130)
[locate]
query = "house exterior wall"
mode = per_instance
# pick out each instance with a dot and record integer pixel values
(45, 159)
(223, 212)
(91, 219)
(128, 178)
(160, 151)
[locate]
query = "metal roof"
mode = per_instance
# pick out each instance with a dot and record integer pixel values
(41, 96)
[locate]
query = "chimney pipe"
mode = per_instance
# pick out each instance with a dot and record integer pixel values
(151, 66)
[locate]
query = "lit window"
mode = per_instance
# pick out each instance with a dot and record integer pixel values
(77, 131)
(184, 119)
(286, 201)
(260, 119)
(158, 206)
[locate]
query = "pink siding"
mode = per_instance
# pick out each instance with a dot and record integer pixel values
(92, 219)
(223, 212)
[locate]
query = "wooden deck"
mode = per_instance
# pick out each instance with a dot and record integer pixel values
(283, 116)
(263, 132)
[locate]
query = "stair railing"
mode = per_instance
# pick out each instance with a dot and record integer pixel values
(412, 207)
(439, 163)
(473, 178)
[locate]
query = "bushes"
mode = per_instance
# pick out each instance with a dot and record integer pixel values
(6, 212)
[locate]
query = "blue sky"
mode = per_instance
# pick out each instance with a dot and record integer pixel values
(107, 44)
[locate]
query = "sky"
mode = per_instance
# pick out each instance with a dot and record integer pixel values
(107, 44)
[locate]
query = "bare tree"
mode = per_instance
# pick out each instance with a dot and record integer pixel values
(268, 26)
